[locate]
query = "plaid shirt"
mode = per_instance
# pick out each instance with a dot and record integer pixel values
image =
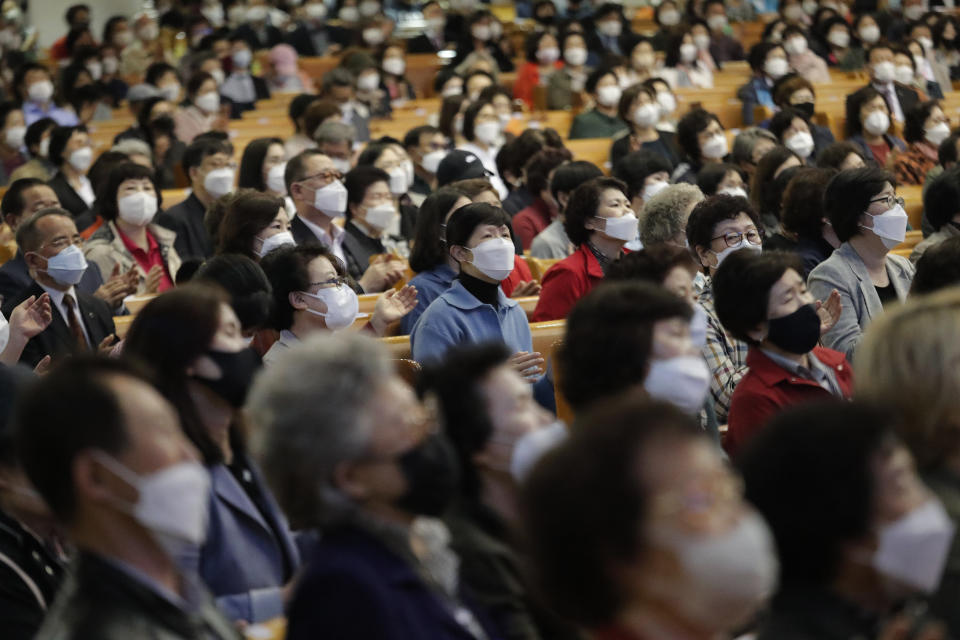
(726, 356)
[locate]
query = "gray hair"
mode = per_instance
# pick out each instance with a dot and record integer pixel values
(665, 214)
(28, 236)
(133, 147)
(310, 412)
(334, 132)
(744, 143)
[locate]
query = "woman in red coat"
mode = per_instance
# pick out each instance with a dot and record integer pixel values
(543, 57)
(761, 298)
(598, 219)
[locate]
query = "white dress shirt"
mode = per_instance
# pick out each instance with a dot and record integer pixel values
(335, 244)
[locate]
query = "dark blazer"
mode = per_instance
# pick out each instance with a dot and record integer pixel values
(301, 40)
(422, 44)
(301, 233)
(56, 340)
(273, 36)
(69, 199)
(186, 220)
(907, 97)
(356, 587)
(249, 553)
(262, 92)
(99, 600)
(358, 248)
(15, 277)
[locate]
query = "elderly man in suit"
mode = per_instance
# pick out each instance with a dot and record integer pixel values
(900, 98)
(81, 323)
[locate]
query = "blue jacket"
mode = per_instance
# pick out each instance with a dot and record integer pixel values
(430, 284)
(457, 317)
(356, 588)
(756, 92)
(242, 560)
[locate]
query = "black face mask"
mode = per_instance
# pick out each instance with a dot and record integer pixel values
(237, 371)
(806, 108)
(432, 477)
(162, 124)
(546, 20)
(797, 332)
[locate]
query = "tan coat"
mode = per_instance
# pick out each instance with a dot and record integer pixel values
(106, 248)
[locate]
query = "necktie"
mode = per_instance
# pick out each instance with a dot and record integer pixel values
(74, 322)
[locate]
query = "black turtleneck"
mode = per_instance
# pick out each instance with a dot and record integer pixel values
(483, 291)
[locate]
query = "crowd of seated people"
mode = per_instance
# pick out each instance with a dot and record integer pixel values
(463, 321)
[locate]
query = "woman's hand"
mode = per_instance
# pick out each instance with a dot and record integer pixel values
(528, 365)
(154, 276)
(391, 306)
(523, 289)
(829, 311)
(28, 319)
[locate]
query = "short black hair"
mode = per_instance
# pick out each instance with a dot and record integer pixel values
(802, 205)
(787, 471)
(783, 120)
(947, 151)
(941, 199)
(73, 10)
(741, 288)
(470, 117)
(371, 153)
(157, 70)
(586, 509)
(583, 205)
(250, 293)
(532, 42)
(12, 203)
(287, 269)
(538, 168)
(515, 153)
(251, 164)
(248, 213)
(938, 268)
(455, 382)
(464, 220)
(596, 76)
(45, 448)
(712, 211)
(412, 137)
(197, 150)
(913, 129)
(836, 152)
(196, 81)
(690, 125)
(59, 138)
(713, 173)
(6, 108)
(848, 196)
(296, 169)
(429, 242)
(623, 313)
(35, 133)
(636, 166)
(358, 180)
(107, 194)
(759, 52)
(652, 264)
(765, 192)
(298, 107)
(854, 102)
(570, 175)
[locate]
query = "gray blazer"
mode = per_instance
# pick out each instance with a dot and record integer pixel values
(845, 272)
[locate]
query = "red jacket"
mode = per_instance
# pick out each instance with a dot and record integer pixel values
(528, 76)
(520, 273)
(565, 283)
(531, 221)
(768, 388)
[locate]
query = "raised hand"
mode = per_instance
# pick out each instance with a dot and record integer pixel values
(391, 306)
(153, 279)
(829, 311)
(528, 365)
(523, 289)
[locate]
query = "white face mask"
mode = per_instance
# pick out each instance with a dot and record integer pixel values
(67, 267)
(702, 41)
(493, 258)
(548, 55)
(342, 304)
(870, 33)
(736, 192)
(793, 13)
(717, 22)
(40, 91)
(744, 244)
(682, 381)
(394, 66)
(796, 46)
(937, 134)
(275, 178)
(914, 12)
(801, 143)
(219, 182)
(368, 82)
(110, 65)
(610, 28)
(776, 67)
(170, 92)
(646, 115)
(410, 170)
(368, 8)
(242, 58)
(450, 92)
(688, 52)
(715, 148)
(431, 161)
(218, 77)
(277, 240)
(398, 181)
(137, 208)
(316, 10)
(81, 158)
(14, 136)
(877, 123)
(653, 189)
(839, 39)
(884, 72)
(341, 165)
(913, 550)
(481, 32)
(208, 102)
(903, 74)
(380, 216)
(95, 69)
(890, 226)
(172, 502)
(532, 446)
(609, 96)
(927, 44)
(349, 14)
(487, 132)
(44, 149)
(698, 324)
(575, 56)
(331, 199)
(727, 576)
(622, 228)
(667, 103)
(669, 17)
(373, 36)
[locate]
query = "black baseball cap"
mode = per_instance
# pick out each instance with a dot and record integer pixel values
(460, 165)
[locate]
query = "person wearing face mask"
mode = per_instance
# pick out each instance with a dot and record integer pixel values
(251, 296)
(762, 299)
(480, 35)
(372, 217)
(702, 141)
(602, 120)
(256, 29)
(312, 294)
(716, 228)
(686, 63)
(262, 168)
(13, 131)
(427, 147)
(869, 221)
(868, 126)
(71, 153)
(723, 178)
(492, 422)
(925, 128)
(242, 88)
(599, 221)
(769, 63)
(35, 89)
(543, 59)
(434, 37)
(667, 16)
(483, 133)
(311, 35)
(723, 47)
(248, 555)
(898, 97)
(608, 32)
(388, 155)
(129, 490)
(794, 131)
(207, 163)
(572, 76)
(376, 496)
(37, 144)
(129, 239)
(146, 47)
(881, 547)
(533, 219)
(639, 108)
(701, 567)
(802, 59)
(399, 88)
(81, 323)
(475, 309)
(253, 225)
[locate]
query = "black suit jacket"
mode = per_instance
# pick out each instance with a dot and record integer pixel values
(358, 248)
(15, 277)
(56, 340)
(421, 44)
(301, 233)
(186, 220)
(273, 37)
(69, 199)
(907, 97)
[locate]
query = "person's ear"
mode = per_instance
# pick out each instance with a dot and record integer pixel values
(296, 190)
(192, 173)
(33, 259)
(461, 254)
(562, 198)
(759, 332)
(92, 481)
(297, 300)
(703, 254)
(354, 208)
(349, 479)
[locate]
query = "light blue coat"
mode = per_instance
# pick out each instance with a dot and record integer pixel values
(430, 284)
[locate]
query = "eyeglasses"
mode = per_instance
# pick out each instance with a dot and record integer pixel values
(733, 238)
(228, 165)
(329, 284)
(62, 243)
(891, 200)
(696, 503)
(327, 176)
